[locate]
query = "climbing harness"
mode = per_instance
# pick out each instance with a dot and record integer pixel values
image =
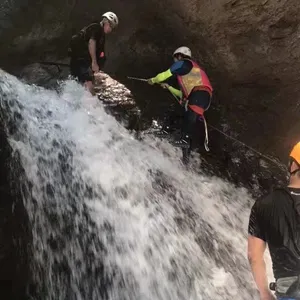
(287, 287)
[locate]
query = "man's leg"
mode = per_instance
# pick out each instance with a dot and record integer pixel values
(189, 120)
(188, 125)
(87, 76)
(81, 70)
(199, 101)
(74, 67)
(90, 87)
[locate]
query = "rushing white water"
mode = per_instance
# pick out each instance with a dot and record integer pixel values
(117, 218)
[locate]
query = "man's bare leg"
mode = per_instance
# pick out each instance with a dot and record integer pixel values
(90, 86)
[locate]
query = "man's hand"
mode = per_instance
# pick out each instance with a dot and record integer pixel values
(164, 85)
(150, 81)
(256, 249)
(95, 67)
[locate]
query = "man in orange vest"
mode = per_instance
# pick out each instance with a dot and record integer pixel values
(195, 92)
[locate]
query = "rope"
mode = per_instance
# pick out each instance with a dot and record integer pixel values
(206, 135)
(250, 148)
(138, 79)
(282, 166)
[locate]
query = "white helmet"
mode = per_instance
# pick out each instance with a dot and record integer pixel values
(183, 50)
(112, 18)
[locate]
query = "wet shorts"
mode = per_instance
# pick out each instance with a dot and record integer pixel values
(81, 70)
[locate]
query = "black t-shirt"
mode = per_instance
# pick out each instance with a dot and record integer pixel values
(79, 42)
(276, 220)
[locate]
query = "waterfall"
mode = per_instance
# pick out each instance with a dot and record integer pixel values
(113, 217)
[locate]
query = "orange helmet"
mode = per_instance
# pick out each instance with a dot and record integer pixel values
(295, 153)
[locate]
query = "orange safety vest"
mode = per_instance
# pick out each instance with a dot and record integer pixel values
(195, 80)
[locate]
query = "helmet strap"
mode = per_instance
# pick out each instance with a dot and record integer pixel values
(290, 165)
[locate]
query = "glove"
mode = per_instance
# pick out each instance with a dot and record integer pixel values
(150, 81)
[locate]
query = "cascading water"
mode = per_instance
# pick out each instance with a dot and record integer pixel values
(117, 218)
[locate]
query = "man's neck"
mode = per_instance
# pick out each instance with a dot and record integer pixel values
(294, 182)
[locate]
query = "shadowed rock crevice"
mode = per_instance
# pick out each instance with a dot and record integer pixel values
(15, 237)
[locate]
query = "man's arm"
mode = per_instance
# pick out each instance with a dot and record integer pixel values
(92, 50)
(161, 77)
(175, 92)
(256, 249)
(178, 68)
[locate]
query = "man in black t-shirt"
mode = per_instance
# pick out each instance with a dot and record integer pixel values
(87, 49)
(275, 221)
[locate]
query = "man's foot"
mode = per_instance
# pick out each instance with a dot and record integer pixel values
(163, 132)
(160, 131)
(182, 143)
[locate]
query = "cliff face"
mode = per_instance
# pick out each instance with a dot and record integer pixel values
(249, 48)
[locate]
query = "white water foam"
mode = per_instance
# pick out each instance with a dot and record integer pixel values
(117, 218)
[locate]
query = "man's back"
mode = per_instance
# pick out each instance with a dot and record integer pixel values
(275, 219)
(79, 42)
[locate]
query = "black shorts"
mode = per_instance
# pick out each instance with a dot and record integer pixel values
(81, 70)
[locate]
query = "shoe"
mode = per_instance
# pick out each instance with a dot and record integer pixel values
(182, 143)
(161, 133)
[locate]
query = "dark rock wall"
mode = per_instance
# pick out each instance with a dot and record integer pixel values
(249, 48)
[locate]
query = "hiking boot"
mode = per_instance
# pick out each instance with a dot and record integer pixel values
(162, 132)
(182, 143)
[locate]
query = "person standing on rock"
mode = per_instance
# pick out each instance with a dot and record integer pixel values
(194, 95)
(86, 49)
(275, 221)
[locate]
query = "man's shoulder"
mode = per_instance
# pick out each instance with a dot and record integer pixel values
(273, 196)
(94, 23)
(189, 62)
(94, 26)
(94, 31)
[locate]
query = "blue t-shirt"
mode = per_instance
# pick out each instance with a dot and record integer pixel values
(181, 67)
